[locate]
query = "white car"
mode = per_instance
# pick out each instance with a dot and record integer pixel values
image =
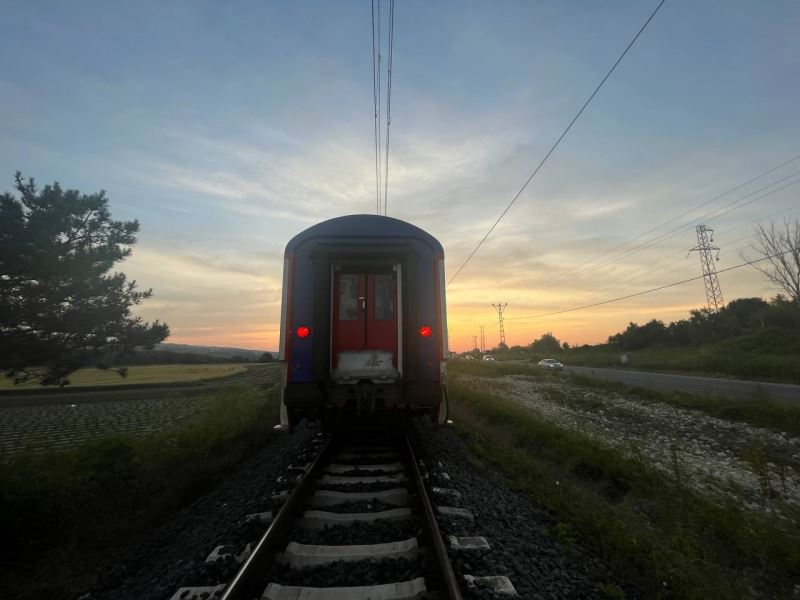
(551, 363)
(488, 357)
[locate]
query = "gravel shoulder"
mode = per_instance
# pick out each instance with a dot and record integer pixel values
(756, 468)
(524, 544)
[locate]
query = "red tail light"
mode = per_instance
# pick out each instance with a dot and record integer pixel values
(425, 331)
(303, 331)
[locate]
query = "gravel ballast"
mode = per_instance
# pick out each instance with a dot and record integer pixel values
(158, 562)
(523, 546)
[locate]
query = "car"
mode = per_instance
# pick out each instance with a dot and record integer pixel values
(551, 363)
(488, 357)
(469, 357)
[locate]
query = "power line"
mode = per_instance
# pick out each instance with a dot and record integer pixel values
(665, 262)
(656, 289)
(388, 105)
(706, 203)
(686, 226)
(558, 141)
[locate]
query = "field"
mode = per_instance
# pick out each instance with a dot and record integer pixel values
(45, 428)
(149, 374)
(141, 460)
(686, 498)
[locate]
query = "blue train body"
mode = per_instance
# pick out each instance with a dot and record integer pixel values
(363, 324)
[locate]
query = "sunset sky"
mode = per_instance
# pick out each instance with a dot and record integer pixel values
(227, 128)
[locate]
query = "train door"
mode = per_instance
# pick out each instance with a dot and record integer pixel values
(364, 312)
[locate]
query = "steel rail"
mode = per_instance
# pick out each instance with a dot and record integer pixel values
(449, 580)
(244, 584)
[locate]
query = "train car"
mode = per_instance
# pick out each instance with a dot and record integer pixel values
(363, 325)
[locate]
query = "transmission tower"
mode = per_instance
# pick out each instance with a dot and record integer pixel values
(499, 307)
(483, 341)
(705, 235)
(475, 341)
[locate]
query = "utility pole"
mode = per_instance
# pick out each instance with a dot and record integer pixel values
(483, 341)
(475, 341)
(500, 308)
(705, 235)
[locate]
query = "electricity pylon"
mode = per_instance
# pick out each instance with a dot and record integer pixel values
(705, 235)
(499, 307)
(483, 341)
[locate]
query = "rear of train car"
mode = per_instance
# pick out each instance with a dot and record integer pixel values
(363, 325)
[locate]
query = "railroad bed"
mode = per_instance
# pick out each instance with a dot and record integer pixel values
(353, 521)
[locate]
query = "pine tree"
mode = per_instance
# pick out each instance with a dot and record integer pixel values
(61, 307)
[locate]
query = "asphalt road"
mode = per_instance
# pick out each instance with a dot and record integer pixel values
(733, 388)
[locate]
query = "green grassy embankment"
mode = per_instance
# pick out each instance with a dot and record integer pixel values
(765, 355)
(112, 487)
(671, 540)
(146, 374)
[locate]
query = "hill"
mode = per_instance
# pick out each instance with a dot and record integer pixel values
(214, 351)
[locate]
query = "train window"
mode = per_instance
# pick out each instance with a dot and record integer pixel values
(384, 297)
(348, 297)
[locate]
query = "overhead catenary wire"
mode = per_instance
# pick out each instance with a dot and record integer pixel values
(388, 106)
(380, 60)
(557, 142)
(375, 86)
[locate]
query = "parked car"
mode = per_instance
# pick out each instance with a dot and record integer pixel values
(551, 363)
(488, 357)
(469, 357)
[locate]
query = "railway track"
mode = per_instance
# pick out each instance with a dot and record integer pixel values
(355, 523)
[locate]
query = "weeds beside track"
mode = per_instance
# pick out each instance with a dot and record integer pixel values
(675, 541)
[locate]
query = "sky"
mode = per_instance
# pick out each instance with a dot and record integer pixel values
(227, 128)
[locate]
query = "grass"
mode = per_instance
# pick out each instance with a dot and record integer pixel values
(77, 501)
(767, 355)
(138, 374)
(670, 540)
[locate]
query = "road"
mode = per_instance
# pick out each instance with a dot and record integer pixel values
(713, 386)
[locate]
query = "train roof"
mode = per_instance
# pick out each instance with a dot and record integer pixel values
(364, 226)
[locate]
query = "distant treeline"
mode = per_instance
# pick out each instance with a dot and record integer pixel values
(740, 317)
(749, 338)
(164, 357)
